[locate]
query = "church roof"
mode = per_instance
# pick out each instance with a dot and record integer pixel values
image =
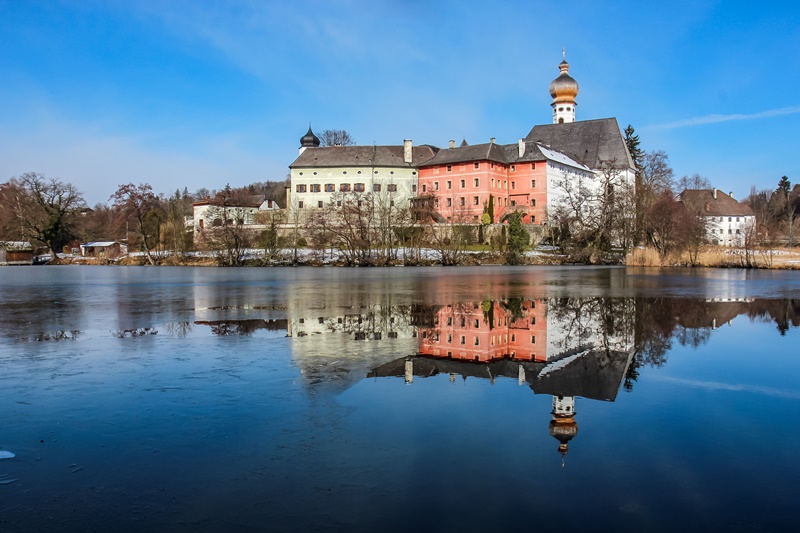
(703, 202)
(594, 143)
(366, 156)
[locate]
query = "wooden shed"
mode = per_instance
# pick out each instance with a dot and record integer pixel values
(16, 253)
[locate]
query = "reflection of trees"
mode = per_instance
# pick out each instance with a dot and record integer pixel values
(606, 323)
(240, 327)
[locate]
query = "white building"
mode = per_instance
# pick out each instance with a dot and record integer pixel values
(727, 221)
(320, 176)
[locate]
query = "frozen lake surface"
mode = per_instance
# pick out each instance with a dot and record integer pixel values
(439, 399)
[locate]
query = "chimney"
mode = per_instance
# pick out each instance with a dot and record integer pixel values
(521, 147)
(731, 195)
(491, 140)
(714, 193)
(452, 143)
(407, 158)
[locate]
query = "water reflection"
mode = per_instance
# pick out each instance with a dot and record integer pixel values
(257, 380)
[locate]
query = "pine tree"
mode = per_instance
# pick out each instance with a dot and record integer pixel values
(632, 140)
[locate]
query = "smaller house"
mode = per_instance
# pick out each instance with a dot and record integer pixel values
(727, 221)
(16, 253)
(104, 249)
(222, 211)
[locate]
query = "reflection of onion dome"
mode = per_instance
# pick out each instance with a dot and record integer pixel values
(563, 429)
(564, 88)
(309, 140)
(563, 426)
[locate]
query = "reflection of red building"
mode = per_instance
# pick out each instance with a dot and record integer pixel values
(487, 331)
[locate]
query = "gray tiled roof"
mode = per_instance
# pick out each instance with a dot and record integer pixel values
(595, 143)
(467, 153)
(367, 156)
(703, 202)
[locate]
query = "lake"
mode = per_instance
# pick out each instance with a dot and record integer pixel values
(440, 399)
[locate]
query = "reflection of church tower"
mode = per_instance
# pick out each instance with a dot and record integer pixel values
(563, 89)
(563, 426)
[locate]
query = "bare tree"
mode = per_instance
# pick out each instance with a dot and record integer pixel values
(43, 209)
(696, 181)
(336, 138)
(138, 202)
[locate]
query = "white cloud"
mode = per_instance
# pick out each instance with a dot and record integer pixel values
(717, 118)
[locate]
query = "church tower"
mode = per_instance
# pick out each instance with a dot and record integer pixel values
(309, 140)
(563, 89)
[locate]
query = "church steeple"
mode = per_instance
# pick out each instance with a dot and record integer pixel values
(563, 89)
(309, 140)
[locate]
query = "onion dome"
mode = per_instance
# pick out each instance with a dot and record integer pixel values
(564, 88)
(309, 140)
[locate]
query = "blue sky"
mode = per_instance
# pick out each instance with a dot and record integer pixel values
(201, 94)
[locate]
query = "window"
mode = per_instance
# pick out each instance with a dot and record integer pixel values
(413, 188)
(533, 184)
(533, 339)
(513, 203)
(424, 188)
(463, 322)
(315, 187)
(533, 202)
(463, 339)
(358, 187)
(449, 321)
(449, 338)
(476, 200)
(338, 203)
(300, 204)
(392, 187)
(435, 185)
(533, 219)
(737, 219)
(463, 184)
(319, 204)
(476, 323)
(463, 201)
(513, 184)
(477, 165)
(477, 342)
(533, 320)
(737, 232)
(449, 168)
(330, 187)
(449, 202)
(730, 219)
(449, 184)
(300, 188)
(344, 187)
(477, 182)
(513, 168)
(376, 187)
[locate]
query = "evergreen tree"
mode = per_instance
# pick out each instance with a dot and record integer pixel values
(517, 239)
(632, 140)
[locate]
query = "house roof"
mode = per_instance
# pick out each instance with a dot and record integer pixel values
(250, 200)
(362, 156)
(500, 153)
(594, 143)
(467, 153)
(703, 202)
(16, 246)
(99, 244)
